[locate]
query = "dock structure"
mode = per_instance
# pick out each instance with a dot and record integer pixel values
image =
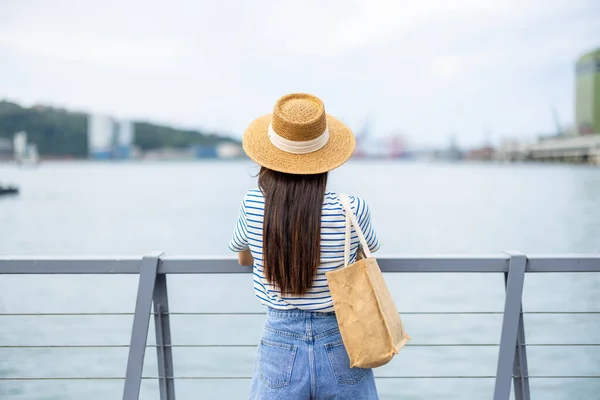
(576, 150)
(512, 374)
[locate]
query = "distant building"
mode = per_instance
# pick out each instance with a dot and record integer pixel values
(230, 150)
(512, 150)
(205, 151)
(124, 139)
(20, 144)
(6, 149)
(578, 149)
(485, 153)
(587, 96)
(100, 137)
(170, 154)
(109, 138)
(221, 150)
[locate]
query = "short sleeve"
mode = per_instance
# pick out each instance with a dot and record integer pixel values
(239, 239)
(363, 215)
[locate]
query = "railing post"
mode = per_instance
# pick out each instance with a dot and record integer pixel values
(510, 325)
(520, 370)
(162, 327)
(139, 331)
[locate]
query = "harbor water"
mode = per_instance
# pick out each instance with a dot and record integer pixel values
(189, 208)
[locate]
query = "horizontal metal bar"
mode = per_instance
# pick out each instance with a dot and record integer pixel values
(563, 376)
(108, 346)
(227, 265)
(438, 377)
(445, 263)
(65, 378)
(67, 346)
(92, 378)
(560, 344)
(70, 265)
(233, 313)
(401, 312)
(563, 263)
(562, 312)
(102, 378)
(57, 314)
(376, 377)
(102, 314)
(108, 314)
(194, 265)
(408, 345)
(93, 346)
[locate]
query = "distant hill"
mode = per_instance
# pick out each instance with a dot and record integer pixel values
(62, 133)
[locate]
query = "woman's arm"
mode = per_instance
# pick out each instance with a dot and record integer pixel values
(239, 239)
(245, 258)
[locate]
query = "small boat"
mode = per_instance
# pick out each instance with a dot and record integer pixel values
(29, 158)
(25, 153)
(7, 190)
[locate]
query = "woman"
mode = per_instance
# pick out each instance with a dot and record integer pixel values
(292, 230)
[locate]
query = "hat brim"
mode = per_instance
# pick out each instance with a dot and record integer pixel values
(336, 152)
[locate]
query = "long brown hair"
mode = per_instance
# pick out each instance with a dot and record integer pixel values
(292, 228)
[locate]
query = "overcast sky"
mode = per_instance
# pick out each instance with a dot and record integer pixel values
(421, 68)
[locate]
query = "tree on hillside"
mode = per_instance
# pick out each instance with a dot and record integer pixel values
(58, 132)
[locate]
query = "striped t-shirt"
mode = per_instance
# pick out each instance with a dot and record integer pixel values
(248, 233)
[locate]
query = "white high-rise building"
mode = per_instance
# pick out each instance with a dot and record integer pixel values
(20, 145)
(100, 136)
(109, 138)
(125, 136)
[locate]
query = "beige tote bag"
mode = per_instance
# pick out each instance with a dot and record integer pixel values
(369, 321)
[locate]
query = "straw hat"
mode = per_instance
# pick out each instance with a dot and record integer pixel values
(298, 137)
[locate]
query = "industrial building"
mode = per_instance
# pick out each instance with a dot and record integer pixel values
(587, 93)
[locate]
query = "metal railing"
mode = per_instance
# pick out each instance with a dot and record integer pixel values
(511, 368)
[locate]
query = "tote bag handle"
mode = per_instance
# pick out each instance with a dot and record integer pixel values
(352, 221)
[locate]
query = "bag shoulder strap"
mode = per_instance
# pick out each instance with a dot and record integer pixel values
(351, 220)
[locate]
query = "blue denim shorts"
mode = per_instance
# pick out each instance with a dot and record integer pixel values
(301, 356)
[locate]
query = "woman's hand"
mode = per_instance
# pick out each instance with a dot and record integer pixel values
(245, 258)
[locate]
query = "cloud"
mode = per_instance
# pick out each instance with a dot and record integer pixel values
(129, 53)
(425, 68)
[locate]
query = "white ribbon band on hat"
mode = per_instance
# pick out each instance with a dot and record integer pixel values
(298, 147)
